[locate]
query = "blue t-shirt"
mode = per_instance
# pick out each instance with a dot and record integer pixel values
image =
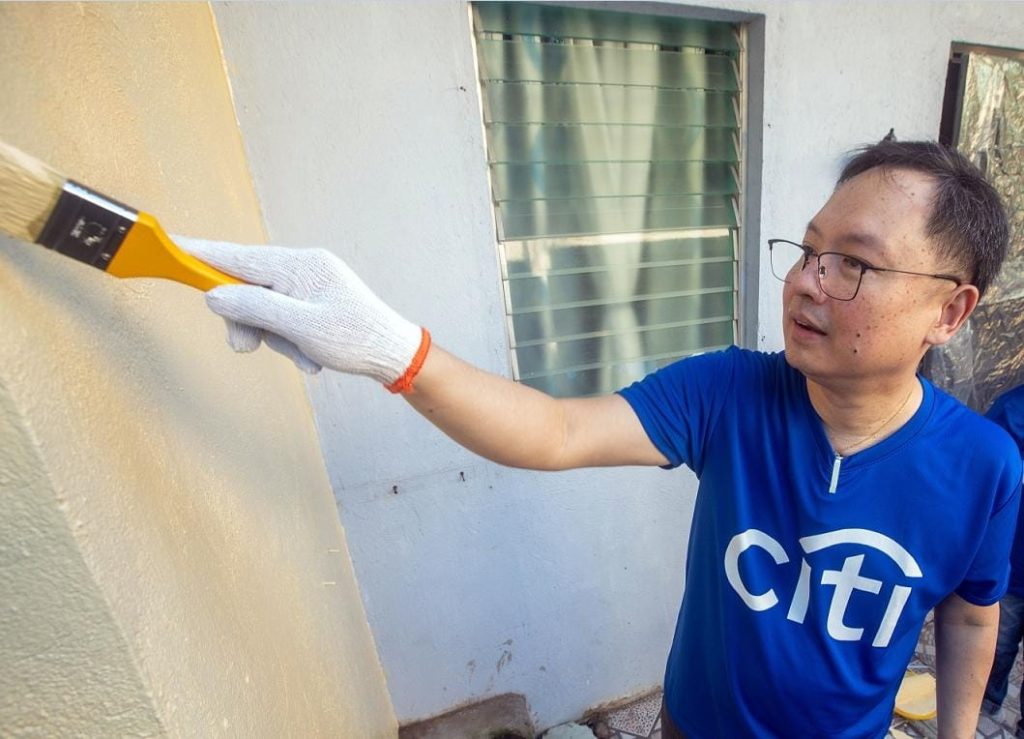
(1008, 412)
(802, 607)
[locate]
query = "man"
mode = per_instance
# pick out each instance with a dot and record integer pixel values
(1008, 412)
(841, 496)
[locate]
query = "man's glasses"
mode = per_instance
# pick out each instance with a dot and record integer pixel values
(839, 275)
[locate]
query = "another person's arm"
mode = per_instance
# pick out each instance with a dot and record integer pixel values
(965, 642)
(311, 307)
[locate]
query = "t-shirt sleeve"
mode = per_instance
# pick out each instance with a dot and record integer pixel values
(679, 404)
(1008, 412)
(988, 575)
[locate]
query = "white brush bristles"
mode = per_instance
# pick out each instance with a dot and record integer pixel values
(28, 191)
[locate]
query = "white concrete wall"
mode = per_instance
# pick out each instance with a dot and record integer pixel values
(362, 127)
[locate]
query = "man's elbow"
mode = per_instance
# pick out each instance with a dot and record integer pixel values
(955, 611)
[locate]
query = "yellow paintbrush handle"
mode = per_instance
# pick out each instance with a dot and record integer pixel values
(92, 228)
(38, 204)
(147, 251)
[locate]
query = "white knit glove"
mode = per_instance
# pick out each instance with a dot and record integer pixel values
(313, 309)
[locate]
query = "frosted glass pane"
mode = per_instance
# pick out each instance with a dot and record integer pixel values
(616, 285)
(609, 179)
(534, 142)
(599, 104)
(523, 18)
(528, 218)
(544, 257)
(558, 323)
(522, 60)
(547, 358)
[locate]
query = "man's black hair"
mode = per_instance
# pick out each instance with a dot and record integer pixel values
(968, 222)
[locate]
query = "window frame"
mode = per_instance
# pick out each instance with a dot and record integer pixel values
(747, 277)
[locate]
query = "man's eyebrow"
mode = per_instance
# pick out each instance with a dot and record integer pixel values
(853, 237)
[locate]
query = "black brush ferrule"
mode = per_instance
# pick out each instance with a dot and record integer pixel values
(87, 226)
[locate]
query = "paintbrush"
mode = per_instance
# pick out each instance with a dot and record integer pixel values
(40, 205)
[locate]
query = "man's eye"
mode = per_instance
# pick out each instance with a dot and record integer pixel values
(852, 263)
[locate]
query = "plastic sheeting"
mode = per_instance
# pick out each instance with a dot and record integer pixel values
(987, 357)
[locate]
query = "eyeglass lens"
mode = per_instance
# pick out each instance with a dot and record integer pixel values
(838, 276)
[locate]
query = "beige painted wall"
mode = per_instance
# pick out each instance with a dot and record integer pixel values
(171, 559)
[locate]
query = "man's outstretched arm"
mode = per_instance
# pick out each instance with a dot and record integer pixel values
(310, 306)
(965, 642)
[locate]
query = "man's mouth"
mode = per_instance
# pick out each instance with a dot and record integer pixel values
(808, 326)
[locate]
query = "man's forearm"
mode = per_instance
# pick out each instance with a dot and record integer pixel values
(499, 419)
(965, 640)
(515, 425)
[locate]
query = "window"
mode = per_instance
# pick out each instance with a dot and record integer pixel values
(614, 150)
(983, 117)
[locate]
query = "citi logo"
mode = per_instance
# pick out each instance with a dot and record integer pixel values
(845, 581)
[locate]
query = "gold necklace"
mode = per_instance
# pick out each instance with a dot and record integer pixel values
(847, 447)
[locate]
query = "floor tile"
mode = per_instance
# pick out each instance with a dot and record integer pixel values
(637, 718)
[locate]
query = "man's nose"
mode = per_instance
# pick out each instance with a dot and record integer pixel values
(807, 281)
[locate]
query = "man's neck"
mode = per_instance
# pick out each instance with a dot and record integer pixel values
(856, 418)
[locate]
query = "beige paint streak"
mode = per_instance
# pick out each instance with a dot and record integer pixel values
(167, 518)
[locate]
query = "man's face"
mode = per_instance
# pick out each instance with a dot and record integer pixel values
(878, 217)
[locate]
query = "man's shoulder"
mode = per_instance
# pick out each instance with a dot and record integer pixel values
(732, 364)
(748, 359)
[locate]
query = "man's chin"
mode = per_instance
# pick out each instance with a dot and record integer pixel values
(797, 359)
(818, 366)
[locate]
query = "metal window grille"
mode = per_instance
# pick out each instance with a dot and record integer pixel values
(613, 144)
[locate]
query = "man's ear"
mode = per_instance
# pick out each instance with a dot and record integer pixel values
(956, 309)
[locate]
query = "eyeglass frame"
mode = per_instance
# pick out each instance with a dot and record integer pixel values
(864, 267)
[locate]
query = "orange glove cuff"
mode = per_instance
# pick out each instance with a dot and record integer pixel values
(404, 383)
